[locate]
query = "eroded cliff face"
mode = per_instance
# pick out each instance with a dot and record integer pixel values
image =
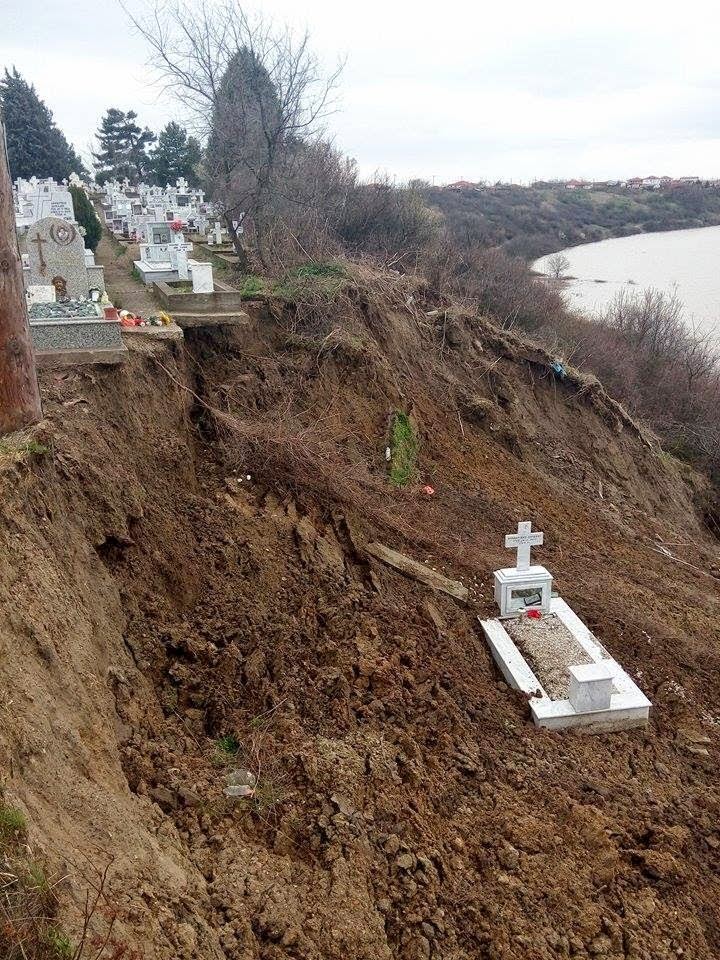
(165, 620)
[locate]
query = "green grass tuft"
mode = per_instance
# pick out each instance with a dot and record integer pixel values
(404, 446)
(12, 823)
(27, 446)
(312, 279)
(59, 944)
(313, 270)
(252, 286)
(227, 747)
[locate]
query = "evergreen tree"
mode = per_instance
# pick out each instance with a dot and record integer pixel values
(123, 147)
(176, 155)
(86, 217)
(36, 147)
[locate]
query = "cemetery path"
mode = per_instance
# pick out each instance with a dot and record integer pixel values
(125, 291)
(186, 599)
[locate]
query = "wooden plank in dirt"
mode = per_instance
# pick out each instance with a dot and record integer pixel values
(418, 571)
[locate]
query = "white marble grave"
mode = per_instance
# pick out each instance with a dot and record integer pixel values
(523, 586)
(164, 257)
(601, 696)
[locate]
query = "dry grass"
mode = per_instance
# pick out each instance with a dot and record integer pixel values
(29, 903)
(28, 898)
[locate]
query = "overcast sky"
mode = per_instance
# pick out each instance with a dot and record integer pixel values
(508, 90)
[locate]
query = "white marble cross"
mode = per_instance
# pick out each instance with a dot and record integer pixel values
(523, 540)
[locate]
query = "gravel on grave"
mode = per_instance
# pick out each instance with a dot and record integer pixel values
(550, 648)
(64, 310)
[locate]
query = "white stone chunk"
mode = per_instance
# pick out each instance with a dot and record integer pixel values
(591, 686)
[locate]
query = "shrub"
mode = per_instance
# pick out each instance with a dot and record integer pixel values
(86, 217)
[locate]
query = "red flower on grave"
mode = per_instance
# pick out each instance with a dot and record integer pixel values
(534, 614)
(176, 226)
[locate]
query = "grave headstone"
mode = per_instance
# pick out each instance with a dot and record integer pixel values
(179, 260)
(523, 586)
(56, 255)
(202, 277)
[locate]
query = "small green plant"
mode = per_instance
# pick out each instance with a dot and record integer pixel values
(226, 748)
(404, 446)
(266, 796)
(12, 822)
(325, 279)
(251, 286)
(59, 944)
(37, 878)
(136, 275)
(29, 446)
(312, 270)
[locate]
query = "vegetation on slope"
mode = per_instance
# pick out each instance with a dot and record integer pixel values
(531, 221)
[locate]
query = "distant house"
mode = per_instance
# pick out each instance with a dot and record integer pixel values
(635, 183)
(461, 185)
(654, 183)
(575, 185)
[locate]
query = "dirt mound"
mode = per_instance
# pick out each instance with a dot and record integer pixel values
(167, 621)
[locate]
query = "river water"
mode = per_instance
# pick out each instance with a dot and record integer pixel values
(685, 262)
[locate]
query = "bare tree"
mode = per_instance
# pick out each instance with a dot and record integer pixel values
(257, 93)
(558, 264)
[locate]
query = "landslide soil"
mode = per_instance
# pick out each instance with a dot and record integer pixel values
(165, 620)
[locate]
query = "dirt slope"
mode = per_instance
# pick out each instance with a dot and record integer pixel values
(164, 621)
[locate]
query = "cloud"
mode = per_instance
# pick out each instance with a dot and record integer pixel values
(507, 92)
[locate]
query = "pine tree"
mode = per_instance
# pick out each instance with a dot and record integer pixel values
(36, 147)
(86, 217)
(123, 147)
(176, 155)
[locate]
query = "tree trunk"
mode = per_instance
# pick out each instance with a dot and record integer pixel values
(19, 392)
(242, 256)
(260, 240)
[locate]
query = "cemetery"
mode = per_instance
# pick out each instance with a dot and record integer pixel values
(129, 209)
(544, 650)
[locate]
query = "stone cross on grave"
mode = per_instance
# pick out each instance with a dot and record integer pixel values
(524, 540)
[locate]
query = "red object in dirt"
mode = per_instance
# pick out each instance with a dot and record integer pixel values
(534, 614)
(430, 491)
(111, 313)
(176, 226)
